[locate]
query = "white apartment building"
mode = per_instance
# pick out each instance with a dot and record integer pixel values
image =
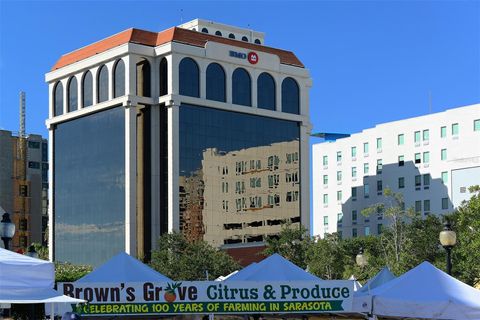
(431, 160)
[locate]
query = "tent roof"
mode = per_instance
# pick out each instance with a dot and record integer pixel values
(426, 292)
(272, 268)
(34, 295)
(18, 270)
(123, 267)
(382, 277)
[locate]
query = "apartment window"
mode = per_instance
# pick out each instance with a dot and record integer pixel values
(426, 180)
(443, 132)
(325, 160)
(339, 176)
(401, 139)
(476, 125)
(444, 203)
(325, 199)
(417, 136)
(426, 157)
(339, 195)
(426, 206)
(365, 168)
(418, 181)
(339, 156)
(401, 182)
(354, 152)
(354, 215)
(365, 148)
(325, 220)
(340, 217)
(445, 177)
(455, 129)
(418, 206)
(443, 154)
(426, 135)
(325, 179)
(379, 143)
(367, 230)
(401, 161)
(379, 228)
(23, 190)
(379, 166)
(366, 190)
(354, 172)
(354, 232)
(379, 186)
(354, 193)
(34, 144)
(418, 158)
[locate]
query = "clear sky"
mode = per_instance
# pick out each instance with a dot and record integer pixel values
(371, 61)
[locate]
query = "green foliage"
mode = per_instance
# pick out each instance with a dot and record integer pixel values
(179, 259)
(68, 272)
(466, 253)
(326, 258)
(41, 251)
(292, 243)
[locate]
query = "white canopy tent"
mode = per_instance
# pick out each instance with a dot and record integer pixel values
(424, 292)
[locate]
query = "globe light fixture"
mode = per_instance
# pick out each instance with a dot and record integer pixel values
(361, 259)
(448, 239)
(7, 229)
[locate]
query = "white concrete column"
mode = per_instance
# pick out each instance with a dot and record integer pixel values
(278, 92)
(110, 67)
(51, 218)
(65, 95)
(94, 72)
(173, 61)
(130, 180)
(254, 76)
(173, 167)
(80, 90)
(228, 83)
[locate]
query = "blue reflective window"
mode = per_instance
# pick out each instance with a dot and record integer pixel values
(143, 79)
(72, 94)
(244, 39)
(119, 79)
(189, 78)
(87, 89)
(290, 96)
(231, 36)
(218, 33)
(266, 91)
(257, 41)
(58, 99)
(204, 30)
(102, 84)
(241, 87)
(215, 82)
(163, 77)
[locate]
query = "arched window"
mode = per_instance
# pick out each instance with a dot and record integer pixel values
(189, 78)
(58, 99)
(87, 89)
(163, 77)
(290, 96)
(218, 33)
(119, 79)
(102, 84)
(204, 30)
(266, 91)
(72, 94)
(143, 78)
(257, 41)
(231, 36)
(215, 82)
(241, 87)
(244, 39)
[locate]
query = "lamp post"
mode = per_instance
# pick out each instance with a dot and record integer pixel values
(448, 239)
(32, 252)
(7, 229)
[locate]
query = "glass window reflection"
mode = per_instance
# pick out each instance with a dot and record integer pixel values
(87, 89)
(58, 99)
(290, 96)
(241, 87)
(215, 82)
(266, 91)
(119, 79)
(102, 86)
(189, 78)
(72, 94)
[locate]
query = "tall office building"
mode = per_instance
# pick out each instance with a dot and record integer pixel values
(431, 160)
(24, 186)
(147, 130)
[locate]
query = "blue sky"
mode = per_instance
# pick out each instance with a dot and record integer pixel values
(371, 61)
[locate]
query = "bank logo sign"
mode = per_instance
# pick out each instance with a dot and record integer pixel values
(215, 297)
(252, 57)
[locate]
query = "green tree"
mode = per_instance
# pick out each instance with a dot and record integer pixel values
(292, 243)
(466, 253)
(326, 257)
(68, 272)
(372, 249)
(42, 251)
(180, 259)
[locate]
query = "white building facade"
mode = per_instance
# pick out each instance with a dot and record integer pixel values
(431, 160)
(131, 116)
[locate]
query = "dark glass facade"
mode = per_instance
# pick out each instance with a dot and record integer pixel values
(87, 89)
(58, 99)
(290, 96)
(216, 83)
(102, 88)
(266, 91)
(72, 94)
(89, 193)
(119, 79)
(163, 77)
(239, 175)
(241, 87)
(189, 78)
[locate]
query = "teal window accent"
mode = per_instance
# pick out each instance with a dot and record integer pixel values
(379, 166)
(455, 129)
(325, 220)
(354, 172)
(418, 158)
(325, 199)
(401, 161)
(325, 160)
(416, 136)
(426, 157)
(476, 125)
(401, 139)
(379, 143)
(339, 156)
(443, 132)
(365, 168)
(339, 175)
(444, 203)
(325, 179)
(443, 155)
(354, 152)
(354, 215)
(445, 177)
(426, 135)
(365, 147)
(340, 217)
(339, 195)
(367, 230)
(366, 190)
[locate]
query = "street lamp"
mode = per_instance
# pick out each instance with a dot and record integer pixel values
(7, 229)
(448, 239)
(361, 259)
(31, 252)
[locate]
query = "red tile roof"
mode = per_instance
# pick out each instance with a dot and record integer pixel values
(174, 34)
